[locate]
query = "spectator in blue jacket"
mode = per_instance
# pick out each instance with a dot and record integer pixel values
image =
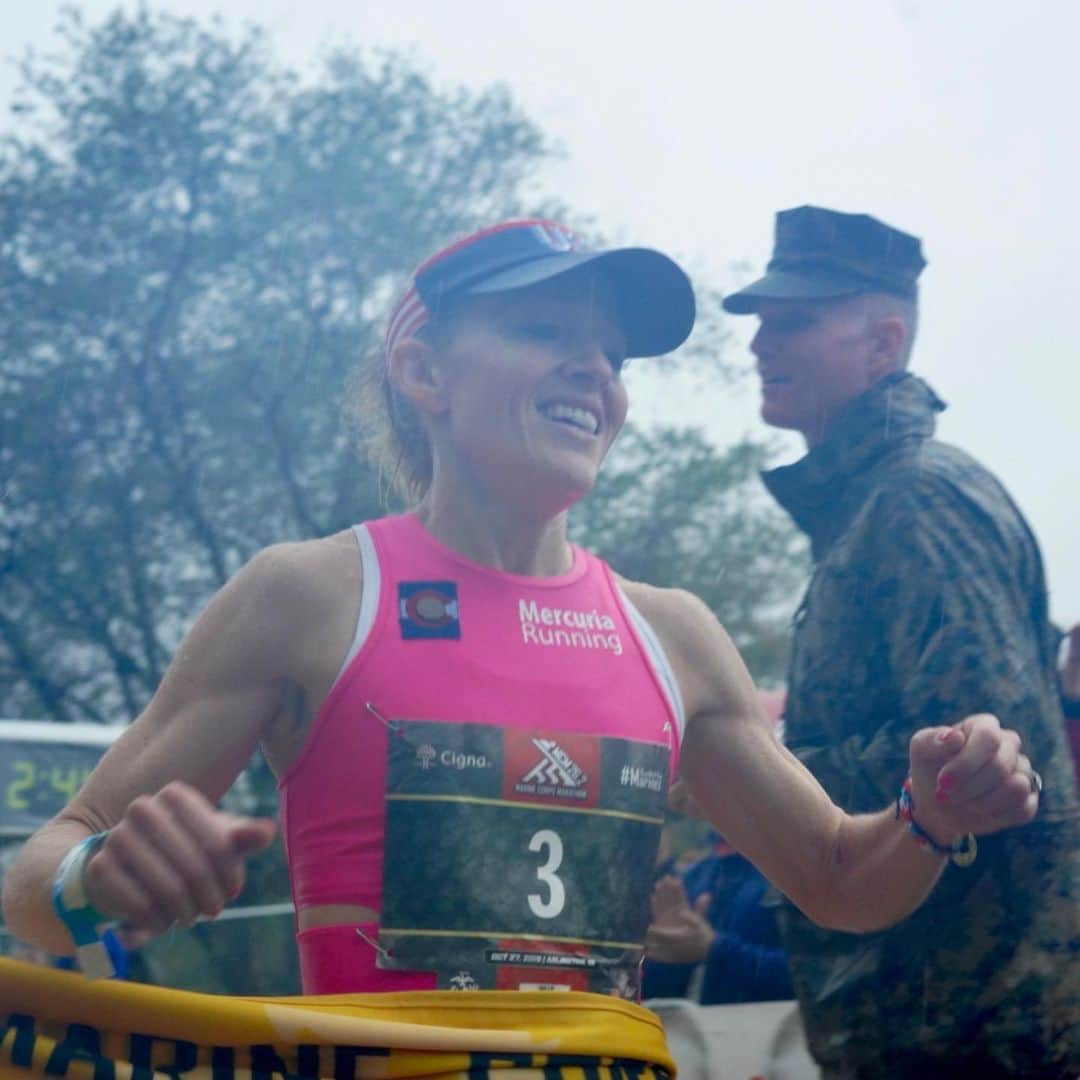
(711, 939)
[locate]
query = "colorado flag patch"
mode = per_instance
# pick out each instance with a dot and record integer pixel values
(428, 609)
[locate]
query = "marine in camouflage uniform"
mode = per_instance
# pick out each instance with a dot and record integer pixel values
(928, 602)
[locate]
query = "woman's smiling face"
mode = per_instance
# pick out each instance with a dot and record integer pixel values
(534, 395)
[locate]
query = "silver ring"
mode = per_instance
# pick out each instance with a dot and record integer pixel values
(1036, 783)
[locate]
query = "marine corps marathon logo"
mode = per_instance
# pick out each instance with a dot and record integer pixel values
(555, 767)
(551, 767)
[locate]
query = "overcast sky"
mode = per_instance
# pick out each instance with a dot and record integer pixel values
(687, 124)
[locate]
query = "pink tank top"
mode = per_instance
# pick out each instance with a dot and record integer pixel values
(445, 639)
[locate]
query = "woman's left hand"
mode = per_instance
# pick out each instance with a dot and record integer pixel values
(971, 777)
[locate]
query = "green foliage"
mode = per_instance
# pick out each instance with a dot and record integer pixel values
(195, 248)
(672, 509)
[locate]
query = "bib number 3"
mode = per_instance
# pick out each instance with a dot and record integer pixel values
(549, 843)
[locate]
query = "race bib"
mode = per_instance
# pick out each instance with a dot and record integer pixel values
(519, 859)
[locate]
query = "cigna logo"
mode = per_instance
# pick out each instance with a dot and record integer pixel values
(427, 757)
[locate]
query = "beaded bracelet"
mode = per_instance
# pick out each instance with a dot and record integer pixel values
(963, 853)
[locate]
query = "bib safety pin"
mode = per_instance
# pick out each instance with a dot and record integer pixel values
(391, 725)
(385, 954)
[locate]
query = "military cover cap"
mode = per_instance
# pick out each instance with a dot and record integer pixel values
(823, 254)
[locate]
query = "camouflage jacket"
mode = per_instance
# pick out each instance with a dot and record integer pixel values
(928, 602)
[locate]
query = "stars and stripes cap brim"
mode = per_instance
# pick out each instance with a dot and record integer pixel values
(655, 297)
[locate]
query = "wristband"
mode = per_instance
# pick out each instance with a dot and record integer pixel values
(75, 911)
(963, 853)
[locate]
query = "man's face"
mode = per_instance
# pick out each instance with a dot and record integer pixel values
(536, 395)
(814, 359)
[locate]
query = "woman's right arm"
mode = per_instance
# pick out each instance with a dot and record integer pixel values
(170, 855)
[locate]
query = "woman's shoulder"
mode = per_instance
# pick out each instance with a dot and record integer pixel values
(675, 614)
(303, 570)
(709, 669)
(314, 584)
